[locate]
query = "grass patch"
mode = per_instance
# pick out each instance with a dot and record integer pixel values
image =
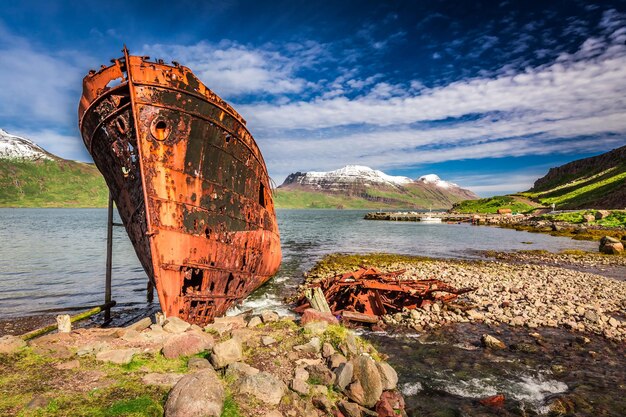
(58, 183)
(492, 204)
(231, 409)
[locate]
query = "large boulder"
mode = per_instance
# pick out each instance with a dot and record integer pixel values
(611, 245)
(187, 344)
(264, 387)
(199, 394)
(321, 373)
(491, 342)
(366, 373)
(388, 375)
(225, 353)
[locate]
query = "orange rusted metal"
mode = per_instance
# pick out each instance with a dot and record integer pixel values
(188, 180)
(373, 293)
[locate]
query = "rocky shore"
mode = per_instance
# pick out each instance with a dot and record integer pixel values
(255, 365)
(518, 294)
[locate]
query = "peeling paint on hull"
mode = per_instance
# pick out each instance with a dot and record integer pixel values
(188, 180)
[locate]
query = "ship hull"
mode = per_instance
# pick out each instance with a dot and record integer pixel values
(189, 182)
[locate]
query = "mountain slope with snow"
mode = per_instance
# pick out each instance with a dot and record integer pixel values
(16, 147)
(30, 176)
(357, 186)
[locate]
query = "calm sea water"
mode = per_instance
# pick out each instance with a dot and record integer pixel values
(54, 258)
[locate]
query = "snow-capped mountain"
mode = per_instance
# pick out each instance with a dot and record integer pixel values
(435, 180)
(346, 176)
(16, 147)
(362, 182)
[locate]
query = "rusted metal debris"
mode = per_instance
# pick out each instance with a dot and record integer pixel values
(366, 294)
(189, 182)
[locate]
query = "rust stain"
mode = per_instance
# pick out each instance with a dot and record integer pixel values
(189, 181)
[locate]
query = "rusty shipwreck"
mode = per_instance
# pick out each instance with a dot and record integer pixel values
(188, 180)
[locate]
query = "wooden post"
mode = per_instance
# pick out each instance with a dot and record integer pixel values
(316, 299)
(107, 287)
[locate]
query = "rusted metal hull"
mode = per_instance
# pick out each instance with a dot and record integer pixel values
(188, 180)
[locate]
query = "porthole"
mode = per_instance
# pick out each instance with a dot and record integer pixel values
(160, 129)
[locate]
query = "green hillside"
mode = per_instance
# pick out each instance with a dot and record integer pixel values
(515, 203)
(45, 183)
(411, 198)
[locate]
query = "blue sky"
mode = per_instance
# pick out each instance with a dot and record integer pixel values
(489, 95)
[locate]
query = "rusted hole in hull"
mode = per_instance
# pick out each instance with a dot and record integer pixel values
(262, 195)
(193, 280)
(160, 129)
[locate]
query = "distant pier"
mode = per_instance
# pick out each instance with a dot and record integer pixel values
(473, 218)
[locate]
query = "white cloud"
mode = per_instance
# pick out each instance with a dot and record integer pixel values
(232, 69)
(38, 87)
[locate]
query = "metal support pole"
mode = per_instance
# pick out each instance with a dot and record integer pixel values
(150, 291)
(107, 288)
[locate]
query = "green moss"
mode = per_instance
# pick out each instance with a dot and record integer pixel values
(141, 406)
(231, 409)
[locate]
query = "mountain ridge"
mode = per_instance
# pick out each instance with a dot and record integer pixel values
(357, 186)
(30, 176)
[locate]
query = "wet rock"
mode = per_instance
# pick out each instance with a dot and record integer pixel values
(524, 347)
(187, 344)
(269, 316)
(195, 363)
(366, 373)
(349, 409)
(493, 401)
(11, 344)
(312, 315)
(225, 353)
(611, 246)
(199, 394)
(176, 325)
(117, 356)
(344, 373)
(263, 386)
(166, 380)
(491, 342)
(388, 375)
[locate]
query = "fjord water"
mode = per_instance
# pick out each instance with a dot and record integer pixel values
(52, 259)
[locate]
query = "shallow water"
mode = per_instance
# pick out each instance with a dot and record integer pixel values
(54, 258)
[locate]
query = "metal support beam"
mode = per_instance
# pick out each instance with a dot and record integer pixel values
(107, 288)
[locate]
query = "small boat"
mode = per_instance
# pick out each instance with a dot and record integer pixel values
(430, 218)
(189, 182)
